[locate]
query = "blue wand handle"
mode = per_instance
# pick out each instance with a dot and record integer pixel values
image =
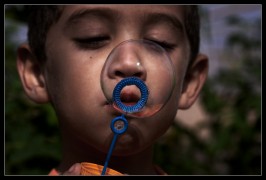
(109, 154)
(119, 126)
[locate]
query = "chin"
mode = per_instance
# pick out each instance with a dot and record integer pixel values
(126, 145)
(123, 152)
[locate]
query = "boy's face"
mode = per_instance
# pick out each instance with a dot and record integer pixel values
(77, 47)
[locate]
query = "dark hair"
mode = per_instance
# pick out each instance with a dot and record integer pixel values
(42, 17)
(192, 27)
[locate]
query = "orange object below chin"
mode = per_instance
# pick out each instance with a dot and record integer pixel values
(96, 169)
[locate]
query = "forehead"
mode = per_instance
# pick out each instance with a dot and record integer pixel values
(134, 12)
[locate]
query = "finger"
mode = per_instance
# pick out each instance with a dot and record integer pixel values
(73, 170)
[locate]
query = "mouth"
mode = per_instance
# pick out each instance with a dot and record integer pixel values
(129, 97)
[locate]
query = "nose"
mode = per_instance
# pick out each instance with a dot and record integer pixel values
(127, 60)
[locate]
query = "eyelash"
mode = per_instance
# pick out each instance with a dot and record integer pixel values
(97, 42)
(92, 43)
(167, 46)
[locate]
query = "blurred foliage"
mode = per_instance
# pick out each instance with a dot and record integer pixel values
(232, 98)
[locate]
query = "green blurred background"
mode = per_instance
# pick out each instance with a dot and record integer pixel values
(231, 97)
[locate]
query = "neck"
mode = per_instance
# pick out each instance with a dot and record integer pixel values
(77, 152)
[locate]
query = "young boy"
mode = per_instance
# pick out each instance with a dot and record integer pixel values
(62, 62)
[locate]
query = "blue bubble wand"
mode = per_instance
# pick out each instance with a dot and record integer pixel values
(119, 124)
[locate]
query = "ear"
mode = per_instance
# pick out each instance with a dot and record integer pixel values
(194, 80)
(31, 76)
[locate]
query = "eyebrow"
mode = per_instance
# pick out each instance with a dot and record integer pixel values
(162, 17)
(108, 13)
(83, 13)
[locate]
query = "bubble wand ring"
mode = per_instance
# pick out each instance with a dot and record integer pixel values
(143, 90)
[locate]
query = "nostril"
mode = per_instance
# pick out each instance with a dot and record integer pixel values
(123, 75)
(139, 74)
(119, 74)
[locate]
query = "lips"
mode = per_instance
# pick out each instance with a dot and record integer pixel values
(129, 97)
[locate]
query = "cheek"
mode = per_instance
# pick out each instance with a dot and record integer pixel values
(73, 83)
(69, 68)
(73, 78)
(180, 59)
(161, 121)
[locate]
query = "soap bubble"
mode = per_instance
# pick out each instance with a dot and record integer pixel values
(138, 78)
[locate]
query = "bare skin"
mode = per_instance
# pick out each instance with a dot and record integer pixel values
(76, 48)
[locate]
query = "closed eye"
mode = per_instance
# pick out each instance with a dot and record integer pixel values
(92, 43)
(167, 46)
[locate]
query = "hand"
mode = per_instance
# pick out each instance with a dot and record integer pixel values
(74, 170)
